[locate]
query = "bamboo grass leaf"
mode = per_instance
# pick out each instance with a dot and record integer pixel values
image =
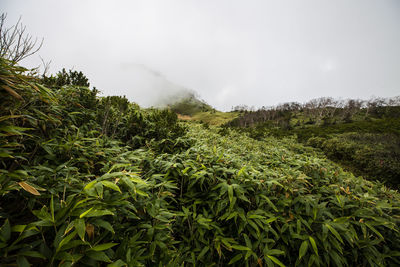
(303, 249)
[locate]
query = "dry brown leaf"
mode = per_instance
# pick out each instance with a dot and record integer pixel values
(29, 188)
(90, 230)
(12, 92)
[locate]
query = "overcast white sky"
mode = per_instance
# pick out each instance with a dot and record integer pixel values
(231, 52)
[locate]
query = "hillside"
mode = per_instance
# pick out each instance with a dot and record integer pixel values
(190, 107)
(187, 103)
(90, 181)
(363, 136)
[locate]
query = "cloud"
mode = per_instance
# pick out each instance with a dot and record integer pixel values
(231, 52)
(328, 65)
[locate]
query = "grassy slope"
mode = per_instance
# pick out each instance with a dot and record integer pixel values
(205, 198)
(214, 118)
(368, 146)
(307, 190)
(375, 160)
(191, 108)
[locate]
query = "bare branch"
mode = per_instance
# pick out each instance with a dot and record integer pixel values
(15, 43)
(46, 66)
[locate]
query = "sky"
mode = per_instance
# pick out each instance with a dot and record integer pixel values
(231, 52)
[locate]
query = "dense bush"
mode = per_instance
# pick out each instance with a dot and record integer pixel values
(374, 155)
(273, 201)
(63, 78)
(369, 147)
(88, 181)
(67, 189)
(189, 104)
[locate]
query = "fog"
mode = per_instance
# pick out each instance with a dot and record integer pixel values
(257, 53)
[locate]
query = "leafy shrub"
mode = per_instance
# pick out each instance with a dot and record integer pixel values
(77, 191)
(64, 78)
(189, 104)
(376, 156)
(142, 191)
(246, 202)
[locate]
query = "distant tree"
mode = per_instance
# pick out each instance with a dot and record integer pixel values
(63, 78)
(15, 43)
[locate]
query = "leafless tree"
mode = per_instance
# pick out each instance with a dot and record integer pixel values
(15, 43)
(46, 66)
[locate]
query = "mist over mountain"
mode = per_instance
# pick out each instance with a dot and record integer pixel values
(231, 52)
(152, 88)
(150, 174)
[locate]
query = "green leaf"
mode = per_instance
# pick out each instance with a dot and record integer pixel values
(141, 193)
(66, 264)
(303, 249)
(106, 225)
(112, 175)
(129, 183)
(5, 231)
(80, 228)
(103, 246)
(374, 230)
(83, 214)
(270, 220)
(118, 165)
(203, 251)
(269, 262)
(270, 203)
(18, 228)
(98, 256)
(235, 259)
(334, 232)
(240, 172)
(276, 261)
(230, 193)
(111, 185)
(22, 262)
(275, 252)
(33, 254)
(336, 258)
(52, 208)
(185, 170)
(90, 185)
(118, 263)
(73, 244)
(239, 247)
(136, 179)
(313, 244)
(66, 239)
(96, 213)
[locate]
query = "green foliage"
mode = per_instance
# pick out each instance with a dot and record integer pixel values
(190, 105)
(275, 201)
(135, 127)
(379, 126)
(63, 78)
(214, 117)
(91, 181)
(369, 147)
(374, 155)
(77, 190)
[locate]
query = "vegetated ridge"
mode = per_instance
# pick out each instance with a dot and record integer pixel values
(190, 107)
(363, 136)
(90, 181)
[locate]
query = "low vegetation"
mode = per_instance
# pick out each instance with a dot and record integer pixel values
(95, 181)
(363, 136)
(216, 118)
(188, 104)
